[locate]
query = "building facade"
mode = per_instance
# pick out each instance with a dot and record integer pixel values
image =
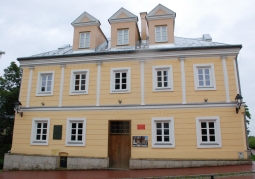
(140, 99)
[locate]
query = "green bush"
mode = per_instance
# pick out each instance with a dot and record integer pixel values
(251, 140)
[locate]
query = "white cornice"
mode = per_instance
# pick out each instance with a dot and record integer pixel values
(146, 55)
(152, 14)
(93, 21)
(131, 107)
(115, 17)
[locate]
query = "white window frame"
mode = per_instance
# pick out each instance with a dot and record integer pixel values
(72, 82)
(171, 143)
(161, 33)
(123, 37)
(68, 131)
(112, 76)
(170, 86)
(84, 42)
(39, 83)
(212, 76)
(216, 120)
(33, 140)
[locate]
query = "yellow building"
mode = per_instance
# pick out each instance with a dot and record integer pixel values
(83, 105)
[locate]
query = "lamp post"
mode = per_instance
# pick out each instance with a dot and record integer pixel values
(17, 108)
(239, 101)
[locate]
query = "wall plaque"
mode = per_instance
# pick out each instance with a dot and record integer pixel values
(140, 126)
(57, 132)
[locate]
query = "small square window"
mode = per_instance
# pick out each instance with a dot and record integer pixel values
(79, 82)
(120, 80)
(162, 78)
(123, 37)
(84, 40)
(161, 34)
(208, 132)
(204, 77)
(163, 133)
(45, 84)
(40, 131)
(75, 131)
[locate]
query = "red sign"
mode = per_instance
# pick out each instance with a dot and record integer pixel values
(141, 126)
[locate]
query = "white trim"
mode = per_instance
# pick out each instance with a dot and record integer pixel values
(33, 131)
(212, 76)
(112, 80)
(170, 78)
(29, 85)
(61, 85)
(68, 132)
(236, 79)
(161, 34)
(85, 36)
(225, 73)
(142, 80)
(133, 107)
(183, 80)
(72, 82)
(217, 143)
(98, 83)
(171, 143)
(38, 93)
(123, 37)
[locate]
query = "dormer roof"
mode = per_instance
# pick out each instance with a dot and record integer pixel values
(85, 19)
(123, 15)
(160, 12)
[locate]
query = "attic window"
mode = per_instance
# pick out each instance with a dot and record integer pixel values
(161, 34)
(122, 37)
(84, 40)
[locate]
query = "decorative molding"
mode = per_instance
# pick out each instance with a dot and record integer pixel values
(142, 81)
(225, 73)
(112, 80)
(31, 68)
(152, 14)
(93, 21)
(132, 107)
(170, 87)
(72, 82)
(39, 83)
(182, 60)
(115, 17)
(61, 84)
(98, 82)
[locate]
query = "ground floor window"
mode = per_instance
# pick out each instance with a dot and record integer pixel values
(40, 131)
(75, 131)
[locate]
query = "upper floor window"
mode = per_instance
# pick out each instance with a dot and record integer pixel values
(162, 78)
(75, 131)
(208, 132)
(79, 82)
(84, 40)
(122, 37)
(204, 77)
(40, 131)
(161, 34)
(120, 80)
(45, 83)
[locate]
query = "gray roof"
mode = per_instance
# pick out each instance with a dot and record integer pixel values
(205, 41)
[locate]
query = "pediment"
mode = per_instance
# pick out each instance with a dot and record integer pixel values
(122, 15)
(160, 12)
(85, 19)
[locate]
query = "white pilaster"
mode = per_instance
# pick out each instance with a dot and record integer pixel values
(98, 82)
(61, 85)
(31, 69)
(225, 72)
(142, 81)
(183, 81)
(237, 84)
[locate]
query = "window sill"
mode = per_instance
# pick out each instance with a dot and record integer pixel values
(75, 144)
(78, 93)
(45, 94)
(205, 88)
(38, 143)
(120, 91)
(163, 145)
(162, 89)
(209, 145)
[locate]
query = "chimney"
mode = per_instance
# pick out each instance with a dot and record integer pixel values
(144, 27)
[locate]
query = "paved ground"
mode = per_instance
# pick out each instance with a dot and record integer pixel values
(106, 174)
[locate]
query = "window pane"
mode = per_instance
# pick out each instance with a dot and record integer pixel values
(203, 124)
(83, 87)
(80, 125)
(38, 131)
(165, 78)
(80, 131)
(159, 84)
(73, 125)
(201, 83)
(44, 125)
(211, 124)
(43, 89)
(158, 125)
(159, 73)
(39, 125)
(200, 77)
(82, 82)
(124, 75)
(43, 83)
(165, 84)
(159, 132)
(204, 138)
(200, 71)
(212, 138)
(211, 131)
(204, 131)
(73, 137)
(207, 83)
(124, 80)
(159, 138)
(83, 76)
(38, 137)
(166, 138)
(207, 77)
(76, 88)
(166, 125)
(44, 78)
(48, 88)
(73, 131)
(43, 137)
(44, 131)
(166, 131)
(79, 137)
(117, 81)
(77, 77)
(159, 78)
(117, 75)
(165, 73)
(206, 71)
(117, 86)
(77, 82)
(49, 77)
(124, 86)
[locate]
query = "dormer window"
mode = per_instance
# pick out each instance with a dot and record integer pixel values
(122, 37)
(161, 34)
(84, 40)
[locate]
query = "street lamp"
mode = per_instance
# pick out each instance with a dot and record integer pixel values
(239, 101)
(17, 108)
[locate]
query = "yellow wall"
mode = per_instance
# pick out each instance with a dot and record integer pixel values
(232, 133)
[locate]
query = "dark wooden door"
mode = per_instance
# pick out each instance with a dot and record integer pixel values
(119, 149)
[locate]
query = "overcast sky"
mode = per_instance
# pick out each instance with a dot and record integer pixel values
(35, 26)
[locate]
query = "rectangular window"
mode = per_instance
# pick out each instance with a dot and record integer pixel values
(161, 34)
(84, 40)
(45, 83)
(163, 132)
(123, 37)
(162, 78)
(120, 80)
(208, 132)
(75, 131)
(204, 77)
(40, 131)
(79, 82)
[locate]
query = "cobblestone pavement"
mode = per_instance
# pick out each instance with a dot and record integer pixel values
(149, 173)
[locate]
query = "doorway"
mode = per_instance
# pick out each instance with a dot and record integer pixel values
(119, 145)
